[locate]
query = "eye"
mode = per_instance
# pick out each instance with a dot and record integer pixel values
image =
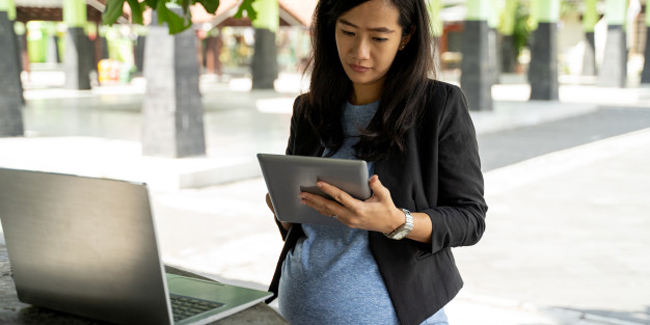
(347, 33)
(379, 39)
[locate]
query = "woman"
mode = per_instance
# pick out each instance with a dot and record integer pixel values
(389, 261)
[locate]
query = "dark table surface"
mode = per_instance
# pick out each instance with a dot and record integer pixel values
(13, 311)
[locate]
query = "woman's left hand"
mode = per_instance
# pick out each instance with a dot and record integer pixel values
(377, 213)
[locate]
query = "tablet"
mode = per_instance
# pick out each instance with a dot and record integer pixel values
(286, 176)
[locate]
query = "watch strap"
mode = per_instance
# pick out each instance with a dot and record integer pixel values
(405, 229)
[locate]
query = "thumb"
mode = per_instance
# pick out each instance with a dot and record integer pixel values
(376, 186)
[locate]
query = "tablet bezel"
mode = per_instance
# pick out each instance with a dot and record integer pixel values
(287, 175)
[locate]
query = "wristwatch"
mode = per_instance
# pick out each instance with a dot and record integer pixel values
(403, 230)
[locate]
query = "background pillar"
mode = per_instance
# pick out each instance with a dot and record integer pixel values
(493, 43)
(613, 70)
(79, 52)
(138, 51)
(476, 80)
(543, 70)
(589, 21)
(11, 89)
(265, 64)
(52, 55)
(172, 109)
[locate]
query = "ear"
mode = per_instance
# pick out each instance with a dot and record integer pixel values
(406, 38)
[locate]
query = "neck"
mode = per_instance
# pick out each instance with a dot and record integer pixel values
(366, 93)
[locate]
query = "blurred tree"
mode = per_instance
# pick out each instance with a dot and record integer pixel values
(507, 30)
(176, 21)
(522, 27)
(11, 89)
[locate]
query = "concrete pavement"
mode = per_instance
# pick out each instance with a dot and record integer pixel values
(566, 241)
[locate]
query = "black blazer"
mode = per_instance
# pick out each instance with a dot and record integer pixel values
(440, 175)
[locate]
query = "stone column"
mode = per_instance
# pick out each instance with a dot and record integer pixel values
(589, 21)
(52, 55)
(78, 50)
(493, 35)
(172, 110)
(476, 80)
(138, 51)
(265, 64)
(11, 89)
(542, 74)
(613, 70)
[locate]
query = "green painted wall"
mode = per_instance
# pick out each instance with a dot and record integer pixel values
(74, 13)
(548, 11)
(478, 9)
(507, 26)
(590, 17)
(9, 7)
(268, 14)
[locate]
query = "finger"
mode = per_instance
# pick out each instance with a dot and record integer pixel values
(337, 194)
(324, 206)
(269, 204)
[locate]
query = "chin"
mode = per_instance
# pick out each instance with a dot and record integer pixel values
(357, 79)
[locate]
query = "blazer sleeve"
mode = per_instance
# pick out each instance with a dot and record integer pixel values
(458, 217)
(294, 126)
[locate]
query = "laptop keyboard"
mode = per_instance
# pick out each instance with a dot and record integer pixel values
(184, 307)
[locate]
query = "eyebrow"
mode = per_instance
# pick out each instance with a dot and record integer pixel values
(378, 29)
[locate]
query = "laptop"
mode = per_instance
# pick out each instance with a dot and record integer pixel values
(287, 175)
(87, 246)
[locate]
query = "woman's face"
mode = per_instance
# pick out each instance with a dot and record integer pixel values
(368, 38)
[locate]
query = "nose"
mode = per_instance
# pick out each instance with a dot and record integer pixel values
(360, 49)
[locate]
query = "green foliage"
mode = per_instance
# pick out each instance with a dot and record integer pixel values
(175, 22)
(522, 27)
(248, 7)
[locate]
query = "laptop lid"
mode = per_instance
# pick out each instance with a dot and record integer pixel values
(88, 246)
(287, 175)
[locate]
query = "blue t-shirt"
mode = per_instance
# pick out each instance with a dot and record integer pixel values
(331, 277)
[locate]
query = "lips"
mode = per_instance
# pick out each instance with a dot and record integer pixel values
(358, 68)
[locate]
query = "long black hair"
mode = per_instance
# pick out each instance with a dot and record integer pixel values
(402, 99)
